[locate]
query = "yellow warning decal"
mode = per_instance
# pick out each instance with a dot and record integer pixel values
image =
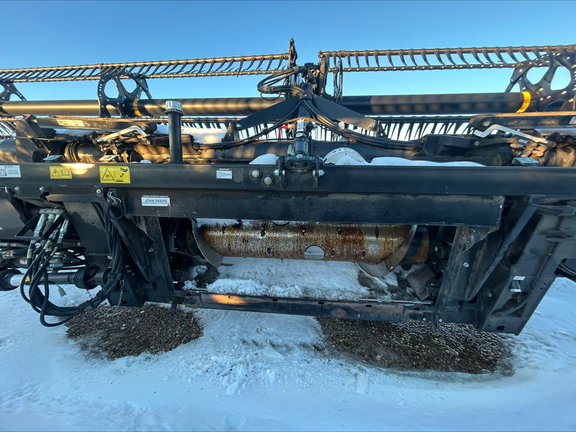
(60, 172)
(114, 174)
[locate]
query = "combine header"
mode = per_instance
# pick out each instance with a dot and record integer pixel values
(469, 199)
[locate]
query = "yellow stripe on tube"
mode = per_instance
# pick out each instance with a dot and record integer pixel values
(526, 104)
(139, 114)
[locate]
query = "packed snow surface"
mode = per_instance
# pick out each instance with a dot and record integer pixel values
(253, 371)
(201, 135)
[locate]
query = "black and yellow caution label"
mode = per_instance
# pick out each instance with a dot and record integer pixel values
(60, 172)
(115, 174)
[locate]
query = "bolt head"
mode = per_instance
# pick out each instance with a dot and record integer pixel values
(98, 191)
(466, 265)
(41, 189)
(255, 173)
(17, 188)
(268, 180)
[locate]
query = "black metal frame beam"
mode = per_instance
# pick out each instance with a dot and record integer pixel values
(465, 103)
(365, 179)
(365, 310)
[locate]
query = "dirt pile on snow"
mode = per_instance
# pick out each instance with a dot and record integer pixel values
(416, 346)
(116, 332)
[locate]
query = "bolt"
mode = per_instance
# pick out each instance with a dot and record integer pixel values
(151, 249)
(321, 172)
(439, 319)
(476, 143)
(277, 173)
(17, 188)
(98, 191)
(486, 123)
(238, 125)
(41, 189)
(435, 248)
(423, 318)
(255, 173)
(466, 265)
(268, 181)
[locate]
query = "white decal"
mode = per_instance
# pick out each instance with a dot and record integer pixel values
(10, 171)
(224, 173)
(155, 201)
(63, 122)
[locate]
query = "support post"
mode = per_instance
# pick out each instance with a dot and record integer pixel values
(174, 112)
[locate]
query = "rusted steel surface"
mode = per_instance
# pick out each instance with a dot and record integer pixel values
(297, 240)
(364, 310)
(421, 254)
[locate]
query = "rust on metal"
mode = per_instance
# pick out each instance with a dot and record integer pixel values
(421, 254)
(309, 240)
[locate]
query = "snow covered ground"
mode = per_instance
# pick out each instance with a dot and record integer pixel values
(255, 371)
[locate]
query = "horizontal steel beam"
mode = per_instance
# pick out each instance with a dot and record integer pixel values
(465, 103)
(431, 180)
(365, 310)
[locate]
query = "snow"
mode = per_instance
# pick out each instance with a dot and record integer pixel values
(285, 278)
(401, 161)
(265, 159)
(201, 135)
(253, 371)
(346, 156)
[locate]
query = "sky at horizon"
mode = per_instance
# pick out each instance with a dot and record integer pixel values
(68, 33)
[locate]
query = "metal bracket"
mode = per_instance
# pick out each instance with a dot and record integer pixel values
(9, 89)
(125, 99)
(496, 127)
(542, 90)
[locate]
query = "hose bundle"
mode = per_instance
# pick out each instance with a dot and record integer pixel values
(40, 254)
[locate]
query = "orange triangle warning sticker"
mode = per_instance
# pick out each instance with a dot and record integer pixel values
(107, 176)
